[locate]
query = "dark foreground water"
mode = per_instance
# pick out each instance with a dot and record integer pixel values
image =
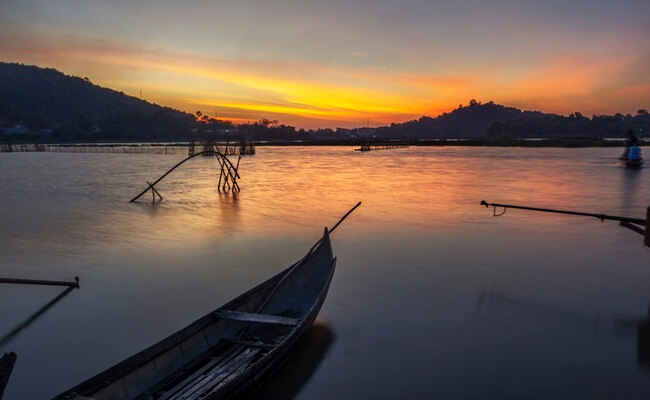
(432, 298)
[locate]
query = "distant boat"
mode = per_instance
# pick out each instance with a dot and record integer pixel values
(228, 350)
(638, 163)
(631, 158)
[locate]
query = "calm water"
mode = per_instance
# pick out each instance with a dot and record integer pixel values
(433, 297)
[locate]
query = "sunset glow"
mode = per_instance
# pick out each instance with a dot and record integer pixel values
(344, 63)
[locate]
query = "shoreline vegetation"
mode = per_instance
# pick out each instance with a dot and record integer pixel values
(476, 142)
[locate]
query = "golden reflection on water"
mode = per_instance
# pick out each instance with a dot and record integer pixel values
(412, 261)
(420, 188)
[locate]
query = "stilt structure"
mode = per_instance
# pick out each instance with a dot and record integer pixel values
(227, 177)
(241, 148)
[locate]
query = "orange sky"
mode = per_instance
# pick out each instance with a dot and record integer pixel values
(335, 69)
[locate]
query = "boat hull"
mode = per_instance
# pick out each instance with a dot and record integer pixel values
(262, 370)
(162, 371)
(633, 164)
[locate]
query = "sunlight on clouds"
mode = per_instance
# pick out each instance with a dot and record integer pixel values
(310, 94)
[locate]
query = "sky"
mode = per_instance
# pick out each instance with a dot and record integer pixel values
(344, 63)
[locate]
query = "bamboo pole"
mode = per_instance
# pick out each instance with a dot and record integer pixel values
(601, 217)
(74, 284)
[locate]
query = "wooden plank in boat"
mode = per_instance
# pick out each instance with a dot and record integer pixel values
(222, 373)
(200, 378)
(229, 352)
(249, 343)
(259, 318)
(224, 378)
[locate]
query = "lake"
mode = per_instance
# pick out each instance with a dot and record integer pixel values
(433, 297)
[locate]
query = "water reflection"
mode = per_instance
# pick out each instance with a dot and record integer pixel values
(419, 250)
(491, 298)
(643, 343)
(629, 189)
(495, 298)
(230, 210)
(286, 382)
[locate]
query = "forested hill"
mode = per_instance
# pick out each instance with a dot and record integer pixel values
(44, 99)
(57, 107)
(477, 120)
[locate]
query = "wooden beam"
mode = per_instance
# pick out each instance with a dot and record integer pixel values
(248, 343)
(632, 227)
(258, 318)
(74, 284)
(221, 358)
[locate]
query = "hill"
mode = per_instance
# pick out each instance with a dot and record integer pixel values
(57, 107)
(68, 107)
(478, 120)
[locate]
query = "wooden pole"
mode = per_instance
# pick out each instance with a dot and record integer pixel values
(6, 338)
(344, 217)
(601, 217)
(7, 363)
(220, 173)
(647, 227)
(168, 172)
(236, 168)
(74, 284)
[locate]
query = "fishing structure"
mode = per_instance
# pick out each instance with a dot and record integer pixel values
(231, 349)
(227, 177)
(227, 148)
(382, 146)
(640, 226)
(241, 148)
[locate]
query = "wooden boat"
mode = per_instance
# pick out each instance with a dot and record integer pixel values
(229, 350)
(638, 163)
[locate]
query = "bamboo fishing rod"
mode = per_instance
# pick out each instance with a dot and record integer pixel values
(601, 217)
